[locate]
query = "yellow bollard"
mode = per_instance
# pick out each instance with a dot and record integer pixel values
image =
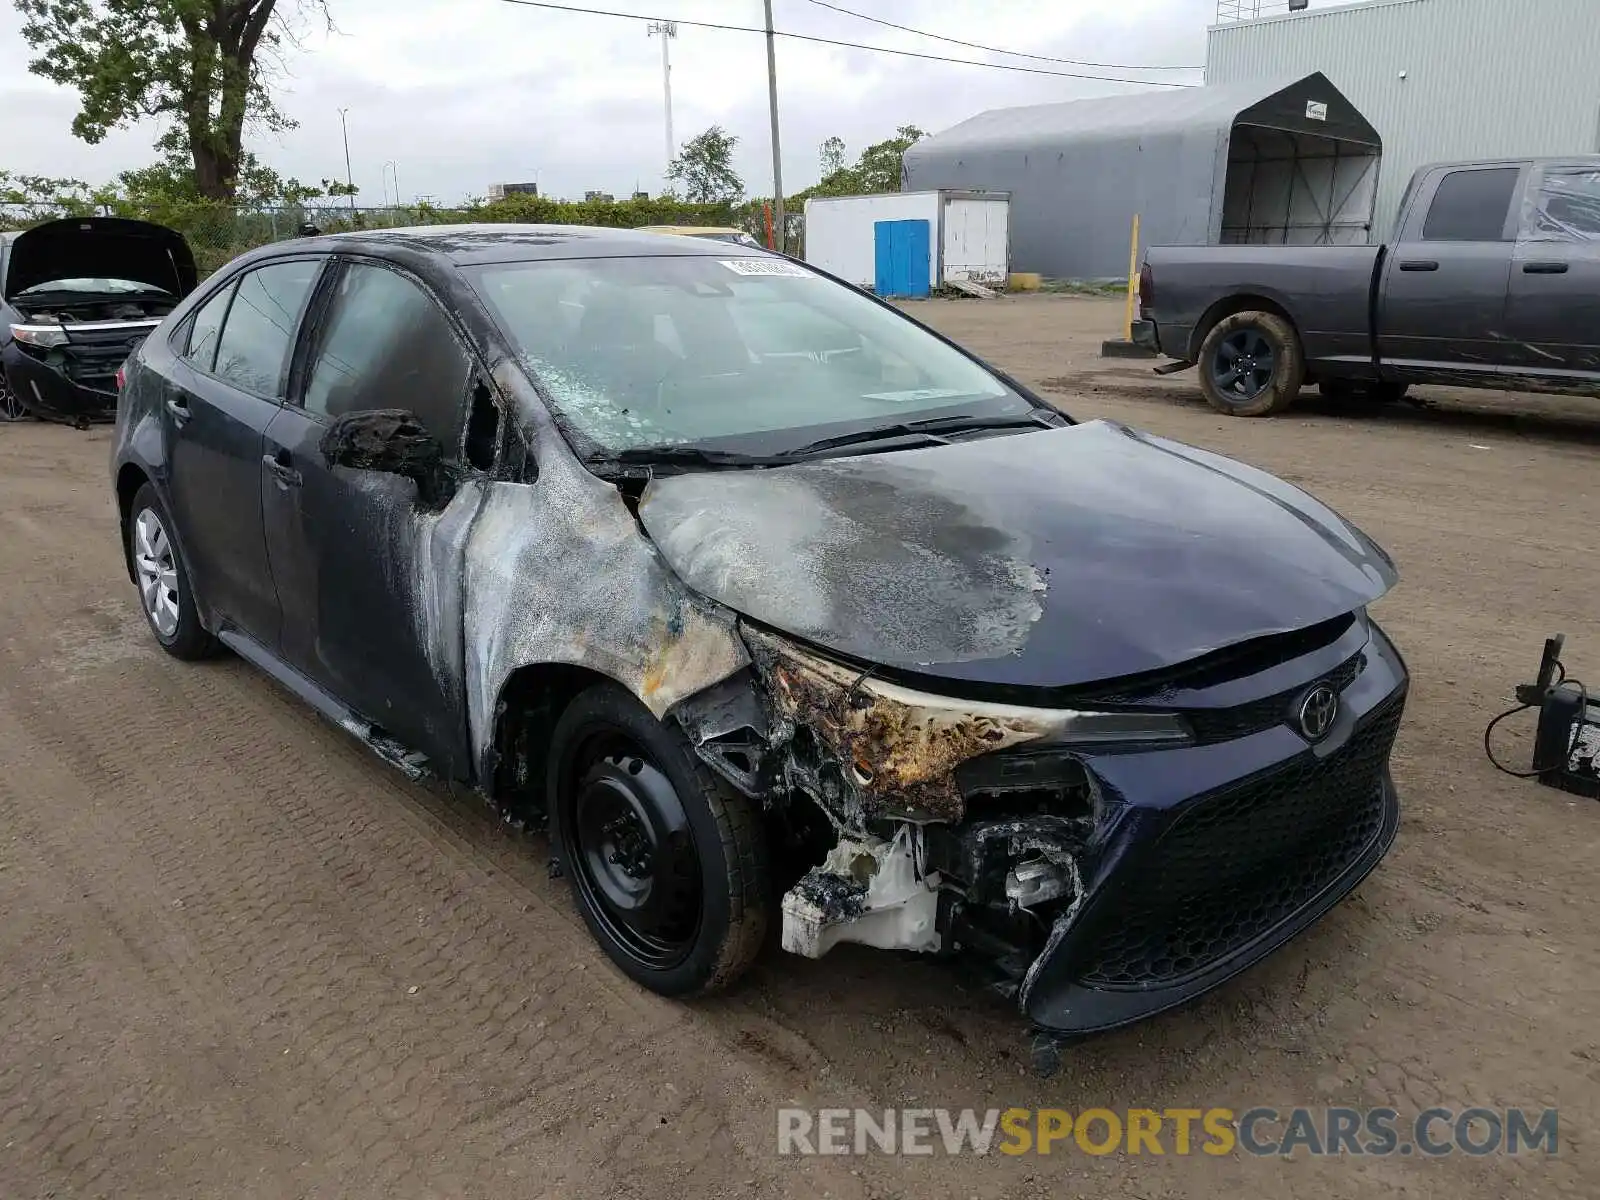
(1133, 280)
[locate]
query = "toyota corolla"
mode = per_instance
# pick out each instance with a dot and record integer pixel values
(777, 607)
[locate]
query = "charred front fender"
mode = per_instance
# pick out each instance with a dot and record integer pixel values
(557, 571)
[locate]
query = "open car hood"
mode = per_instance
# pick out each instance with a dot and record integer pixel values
(100, 248)
(1055, 558)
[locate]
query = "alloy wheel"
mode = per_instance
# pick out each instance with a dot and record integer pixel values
(157, 569)
(1243, 364)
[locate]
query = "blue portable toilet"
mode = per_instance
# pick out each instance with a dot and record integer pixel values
(900, 250)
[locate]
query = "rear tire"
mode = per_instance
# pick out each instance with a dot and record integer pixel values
(1251, 364)
(668, 865)
(165, 594)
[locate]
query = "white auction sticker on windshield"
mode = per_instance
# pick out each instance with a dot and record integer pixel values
(763, 266)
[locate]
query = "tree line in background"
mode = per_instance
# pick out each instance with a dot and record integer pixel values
(704, 168)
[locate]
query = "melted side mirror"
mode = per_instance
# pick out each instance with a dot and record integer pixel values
(394, 441)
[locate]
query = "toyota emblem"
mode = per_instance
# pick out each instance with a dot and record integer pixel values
(1318, 711)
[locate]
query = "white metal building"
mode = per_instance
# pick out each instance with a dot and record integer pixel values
(1438, 79)
(964, 235)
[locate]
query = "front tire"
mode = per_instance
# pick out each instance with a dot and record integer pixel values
(668, 865)
(11, 406)
(165, 594)
(1251, 364)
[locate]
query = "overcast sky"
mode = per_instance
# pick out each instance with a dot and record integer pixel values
(465, 93)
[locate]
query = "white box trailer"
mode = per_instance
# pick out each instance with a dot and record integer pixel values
(907, 243)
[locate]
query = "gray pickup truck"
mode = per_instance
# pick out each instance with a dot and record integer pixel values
(1492, 281)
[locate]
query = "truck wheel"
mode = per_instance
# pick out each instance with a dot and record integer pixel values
(667, 863)
(1251, 365)
(1363, 391)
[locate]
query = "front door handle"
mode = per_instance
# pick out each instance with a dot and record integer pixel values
(180, 412)
(1418, 264)
(280, 470)
(1544, 268)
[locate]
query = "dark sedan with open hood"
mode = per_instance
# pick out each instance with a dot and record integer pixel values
(775, 605)
(76, 297)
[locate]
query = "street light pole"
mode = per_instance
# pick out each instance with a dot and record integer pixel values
(668, 30)
(349, 180)
(777, 153)
(391, 167)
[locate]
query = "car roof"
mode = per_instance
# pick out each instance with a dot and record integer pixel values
(690, 230)
(466, 245)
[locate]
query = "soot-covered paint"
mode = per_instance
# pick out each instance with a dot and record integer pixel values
(557, 571)
(808, 550)
(1044, 559)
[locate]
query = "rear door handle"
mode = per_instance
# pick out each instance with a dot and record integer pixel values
(1544, 268)
(280, 469)
(1418, 264)
(180, 412)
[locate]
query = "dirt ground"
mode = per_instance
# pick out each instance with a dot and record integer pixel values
(239, 957)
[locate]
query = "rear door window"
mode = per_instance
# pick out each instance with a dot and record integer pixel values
(205, 329)
(1471, 206)
(253, 350)
(386, 344)
(1566, 207)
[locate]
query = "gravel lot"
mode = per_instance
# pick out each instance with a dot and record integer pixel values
(239, 957)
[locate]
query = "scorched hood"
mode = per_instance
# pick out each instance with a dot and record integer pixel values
(100, 248)
(1054, 558)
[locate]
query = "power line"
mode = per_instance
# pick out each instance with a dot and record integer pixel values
(806, 37)
(939, 37)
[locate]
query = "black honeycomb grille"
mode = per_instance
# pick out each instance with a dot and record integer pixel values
(1239, 863)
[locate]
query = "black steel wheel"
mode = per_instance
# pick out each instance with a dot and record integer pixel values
(632, 853)
(667, 863)
(1251, 364)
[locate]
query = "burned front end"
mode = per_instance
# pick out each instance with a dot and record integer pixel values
(1103, 854)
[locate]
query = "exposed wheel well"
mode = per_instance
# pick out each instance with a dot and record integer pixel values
(129, 480)
(1226, 307)
(531, 702)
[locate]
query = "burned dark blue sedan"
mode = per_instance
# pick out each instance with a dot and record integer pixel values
(777, 607)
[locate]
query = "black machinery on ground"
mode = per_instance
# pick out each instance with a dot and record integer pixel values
(1566, 746)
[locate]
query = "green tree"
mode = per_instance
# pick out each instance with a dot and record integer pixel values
(171, 180)
(705, 168)
(200, 66)
(830, 156)
(881, 166)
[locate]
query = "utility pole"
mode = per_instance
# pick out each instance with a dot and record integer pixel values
(668, 30)
(777, 153)
(349, 180)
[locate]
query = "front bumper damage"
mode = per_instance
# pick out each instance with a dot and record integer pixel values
(76, 388)
(1096, 884)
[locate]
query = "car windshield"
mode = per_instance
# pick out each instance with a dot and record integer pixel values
(758, 353)
(112, 286)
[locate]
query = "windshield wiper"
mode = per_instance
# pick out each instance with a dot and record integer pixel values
(683, 454)
(932, 428)
(686, 454)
